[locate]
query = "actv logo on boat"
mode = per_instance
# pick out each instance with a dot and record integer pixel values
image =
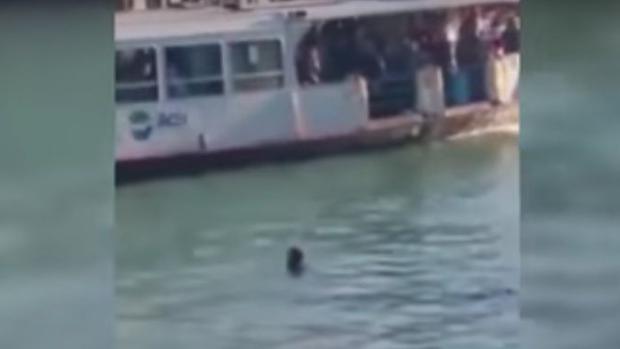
(143, 124)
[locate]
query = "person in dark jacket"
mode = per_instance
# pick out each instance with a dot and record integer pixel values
(295, 261)
(511, 37)
(309, 59)
(368, 60)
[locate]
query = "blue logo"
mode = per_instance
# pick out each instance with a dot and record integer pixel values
(172, 120)
(141, 125)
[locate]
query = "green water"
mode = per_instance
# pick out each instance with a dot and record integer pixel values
(570, 171)
(411, 248)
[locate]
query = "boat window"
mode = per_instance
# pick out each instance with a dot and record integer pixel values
(194, 71)
(257, 65)
(136, 75)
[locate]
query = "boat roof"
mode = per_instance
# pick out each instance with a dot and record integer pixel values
(177, 23)
(173, 23)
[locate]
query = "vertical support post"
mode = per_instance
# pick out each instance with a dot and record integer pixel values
(430, 90)
(360, 85)
(162, 88)
(139, 5)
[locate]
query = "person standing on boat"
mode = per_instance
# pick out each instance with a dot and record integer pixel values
(337, 51)
(368, 59)
(439, 48)
(472, 54)
(511, 36)
(452, 35)
(309, 60)
(173, 75)
(400, 57)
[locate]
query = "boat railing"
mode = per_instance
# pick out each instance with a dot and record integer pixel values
(391, 95)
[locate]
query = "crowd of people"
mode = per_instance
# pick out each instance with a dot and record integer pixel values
(452, 40)
(340, 48)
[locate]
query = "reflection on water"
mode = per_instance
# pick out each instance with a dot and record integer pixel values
(411, 248)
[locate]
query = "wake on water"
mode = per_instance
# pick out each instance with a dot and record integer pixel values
(505, 129)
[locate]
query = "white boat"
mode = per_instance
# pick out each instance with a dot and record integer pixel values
(195, 84)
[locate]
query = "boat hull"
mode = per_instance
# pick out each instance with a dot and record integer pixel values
(376, 135)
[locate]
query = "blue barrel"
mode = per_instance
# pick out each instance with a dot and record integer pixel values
(456, 87)
(477, 83)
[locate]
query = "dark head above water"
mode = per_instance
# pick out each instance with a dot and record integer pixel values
(295, 261)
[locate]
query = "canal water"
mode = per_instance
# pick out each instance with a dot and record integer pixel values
(570, 295)
(416, 247)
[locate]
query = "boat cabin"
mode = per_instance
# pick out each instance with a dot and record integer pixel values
(214, 79)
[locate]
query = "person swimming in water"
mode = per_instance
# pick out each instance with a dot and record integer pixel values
(295, 261)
